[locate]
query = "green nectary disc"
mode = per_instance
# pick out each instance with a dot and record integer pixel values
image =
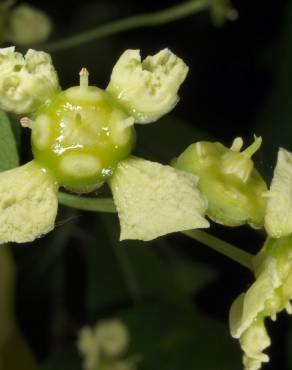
(80, 136)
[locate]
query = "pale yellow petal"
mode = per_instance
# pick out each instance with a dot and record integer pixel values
(112, 337)
(278, 219)
(247, 306)
(154, 200)
(27, 81)
(253, 342)
(147, 88)
(28, 203)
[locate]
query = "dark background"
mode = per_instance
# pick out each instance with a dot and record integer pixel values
(240, 84)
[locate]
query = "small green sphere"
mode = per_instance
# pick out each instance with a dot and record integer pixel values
(80, 136)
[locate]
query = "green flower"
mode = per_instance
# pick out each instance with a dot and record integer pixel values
(234, 188)
(82, 138)
(270, 294)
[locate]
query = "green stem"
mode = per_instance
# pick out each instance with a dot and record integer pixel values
(227, 249)
(87, 204)
(107, 205)
(174, 13)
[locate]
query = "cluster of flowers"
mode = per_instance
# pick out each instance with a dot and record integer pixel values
(83, 137)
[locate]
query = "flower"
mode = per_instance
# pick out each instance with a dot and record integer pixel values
(83, 137)
(269, 294)
(228, 179)
(27, 25)
(105, 344)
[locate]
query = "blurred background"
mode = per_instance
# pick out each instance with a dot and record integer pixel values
(173, 294)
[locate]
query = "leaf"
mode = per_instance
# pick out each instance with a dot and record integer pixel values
(14, 352)
(119, 272)
(8, 148)
(171, 338)
(66, 359)
(105, 285)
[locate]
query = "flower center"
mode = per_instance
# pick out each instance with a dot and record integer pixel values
(81, 136)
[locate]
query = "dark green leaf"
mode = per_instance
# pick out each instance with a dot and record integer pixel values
(172, 338)
(8, 149)
(119, 271)
(65, 360)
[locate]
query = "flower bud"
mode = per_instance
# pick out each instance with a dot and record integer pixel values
(27, 25)
(147, 89)
(26, 82)
(228, 179)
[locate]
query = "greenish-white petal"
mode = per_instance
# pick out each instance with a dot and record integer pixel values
(253, 342)
(27, 25)
(147, 88)
(247, 306)
(107, 339)
(154, 200)
(270, 294)
(27, 81)
(113, 337)
(28, 203)
(278, 219)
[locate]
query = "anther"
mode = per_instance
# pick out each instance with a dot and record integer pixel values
(237, 144)
(25, 122)
(84, 77)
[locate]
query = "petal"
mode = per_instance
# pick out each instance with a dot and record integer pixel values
(253, 342)
(88, 348)
(278, 219)
(28, 203)
(112, 336)
(247, 306)
(26, 82)
(147, 89)
(154, 200)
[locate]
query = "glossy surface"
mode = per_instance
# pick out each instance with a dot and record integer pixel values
(81, 136)
(234, 190)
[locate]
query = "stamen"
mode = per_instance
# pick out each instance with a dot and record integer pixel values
(25, 122)
(84, 77)
(237, 144)
(249, 151)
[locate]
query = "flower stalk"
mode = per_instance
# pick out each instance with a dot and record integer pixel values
(107, 205)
